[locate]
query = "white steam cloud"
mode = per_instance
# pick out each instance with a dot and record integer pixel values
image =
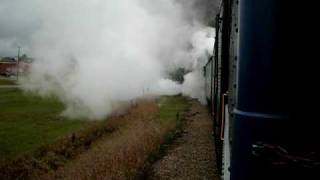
(95, 54)
(194, 82)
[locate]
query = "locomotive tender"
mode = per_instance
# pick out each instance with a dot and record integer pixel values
(261, 87)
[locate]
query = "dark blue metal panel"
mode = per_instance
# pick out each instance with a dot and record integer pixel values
(273, 105)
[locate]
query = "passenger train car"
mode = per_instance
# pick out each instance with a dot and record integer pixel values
(262, 90)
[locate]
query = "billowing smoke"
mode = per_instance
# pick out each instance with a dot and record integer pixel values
(194, 82)
(96, 54)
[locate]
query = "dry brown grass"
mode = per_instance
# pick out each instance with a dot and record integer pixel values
(123, 154)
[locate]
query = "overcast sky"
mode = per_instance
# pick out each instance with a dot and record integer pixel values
(20, 19)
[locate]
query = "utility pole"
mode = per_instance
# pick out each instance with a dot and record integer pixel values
(17, 68)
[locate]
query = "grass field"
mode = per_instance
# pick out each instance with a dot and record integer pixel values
(6, 82)
(28, 121)
(35, 139)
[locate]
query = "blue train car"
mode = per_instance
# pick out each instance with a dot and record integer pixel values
(263, 88)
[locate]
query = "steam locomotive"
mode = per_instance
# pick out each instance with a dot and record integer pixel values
(261, 87)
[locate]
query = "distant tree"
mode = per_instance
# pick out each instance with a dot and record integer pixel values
(8, 59)
(178, 75)
(24, 56)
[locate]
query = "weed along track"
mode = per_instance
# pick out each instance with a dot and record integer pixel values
(119, 148)
(125, 153)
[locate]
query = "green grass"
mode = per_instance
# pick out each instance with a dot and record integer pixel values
(170, 114)
(6, 82)
(28, 122)
(170, 106)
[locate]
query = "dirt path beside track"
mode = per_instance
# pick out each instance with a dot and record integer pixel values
(191, 156)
